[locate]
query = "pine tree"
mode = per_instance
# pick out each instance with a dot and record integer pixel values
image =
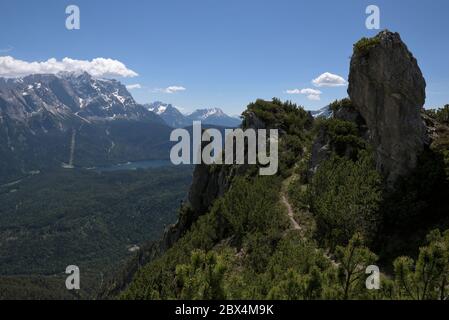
(203, 278)
(352, 262)
(428, 277)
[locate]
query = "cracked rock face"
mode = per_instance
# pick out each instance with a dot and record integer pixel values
(388, 89)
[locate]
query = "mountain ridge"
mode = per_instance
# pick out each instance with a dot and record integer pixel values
(44, 117)
(208, 116)
(66, 94)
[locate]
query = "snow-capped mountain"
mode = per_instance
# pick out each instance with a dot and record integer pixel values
(170, 114)
(158, 107)
(174, 118)
(69, 95)
(214, 116)
(74, 120)
(324, 112)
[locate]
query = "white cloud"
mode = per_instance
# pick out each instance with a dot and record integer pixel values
(312, 94)
(329, 80)
(99, 67)
(133, 86)
(293, 91)
(171, 89)
(304, 91)
(174, 89)
(314, 97)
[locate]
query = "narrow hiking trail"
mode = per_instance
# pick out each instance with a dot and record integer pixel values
(290, 212)
(291, 215)
(284, 199)
(302, 226)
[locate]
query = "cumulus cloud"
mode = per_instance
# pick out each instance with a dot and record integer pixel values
(174, 89)
(171, 89)
(133, 86)
(312, 94)
(99, 67)
(314, 97)
(329, 80)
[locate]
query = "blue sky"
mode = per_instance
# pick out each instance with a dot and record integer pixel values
(226, 53)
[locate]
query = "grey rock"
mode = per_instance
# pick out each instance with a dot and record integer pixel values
(170, 114)
(252, 121)
(321, 151)
(388, 89)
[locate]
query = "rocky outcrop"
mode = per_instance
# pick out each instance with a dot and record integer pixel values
(208, 184)
(320, 152)
(437, 132)
(388, 89)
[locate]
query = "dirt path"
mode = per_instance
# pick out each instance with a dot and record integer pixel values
(295, 224)
(284, 199)
(291, 213)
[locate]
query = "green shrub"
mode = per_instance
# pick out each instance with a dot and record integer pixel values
(339, 104)
(344, 196)
(203, 277)
(344, 137)
(428, 277)
(352, 262)
(442, 114)
(364, 45)
(252, 206)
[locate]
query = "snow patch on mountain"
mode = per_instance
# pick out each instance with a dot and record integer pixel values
(66, 95)
(174, 118)
(324, 112)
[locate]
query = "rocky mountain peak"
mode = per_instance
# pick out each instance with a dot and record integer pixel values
(170, 114)
(67, 94)
(388, 89)
(174, 118)
(160, 108)
(214, 116)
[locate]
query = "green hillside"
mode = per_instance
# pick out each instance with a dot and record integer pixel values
(246, 246)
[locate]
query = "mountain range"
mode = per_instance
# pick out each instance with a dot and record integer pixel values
(174, 118)
(73, 120)
(76, 120)
(69, 96)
